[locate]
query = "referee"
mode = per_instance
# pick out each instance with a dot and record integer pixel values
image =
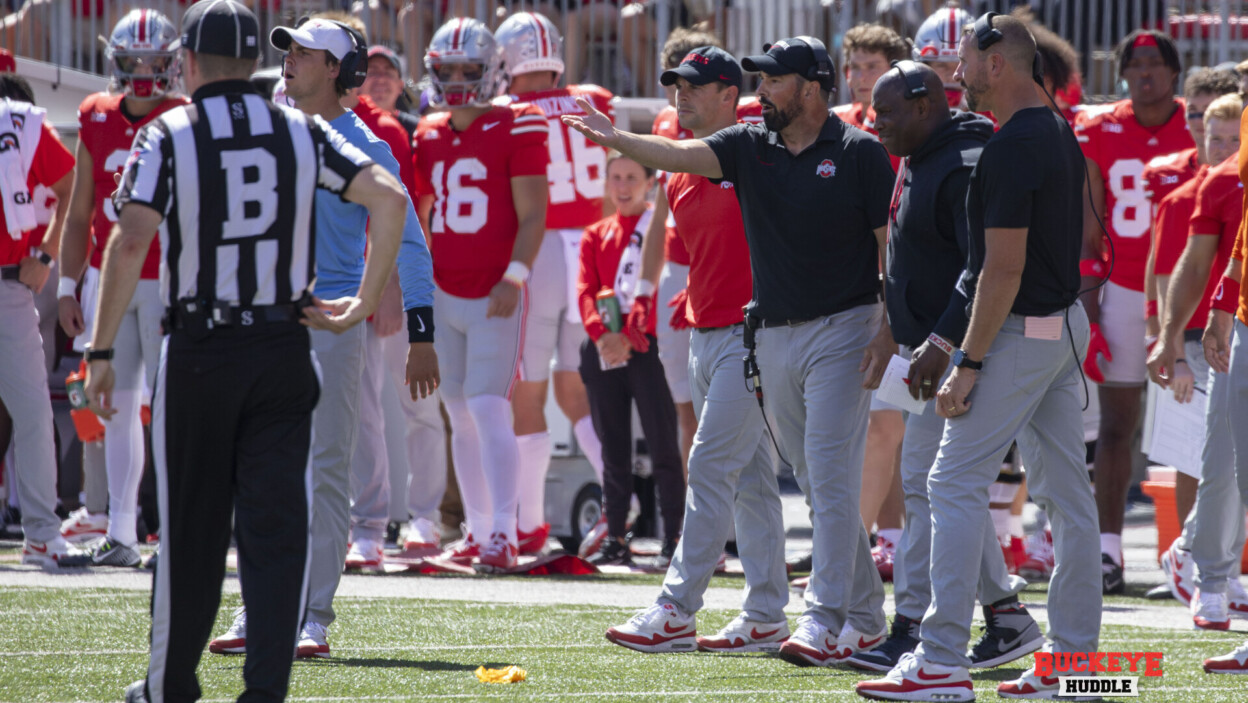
(229, 181)
(814, 198)
(1016, 375)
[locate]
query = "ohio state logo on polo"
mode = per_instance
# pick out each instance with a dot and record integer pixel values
(826, 168)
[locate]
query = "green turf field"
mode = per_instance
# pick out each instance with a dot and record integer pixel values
(60, 644)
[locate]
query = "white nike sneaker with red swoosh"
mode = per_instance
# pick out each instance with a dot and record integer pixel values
(1033, 687)
(1180, 572)
(746, 635)
(852, 641)
(811, 645)
(914, 679)
(659, 628)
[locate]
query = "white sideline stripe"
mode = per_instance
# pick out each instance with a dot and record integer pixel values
(448, 647)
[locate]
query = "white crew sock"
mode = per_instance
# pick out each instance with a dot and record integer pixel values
(466, 454)
(1111, 544)
(1016, 526)
(500, 459)
(588, 440)
(892, 534)
(123, 455)
(534, 463)
(1001, 523)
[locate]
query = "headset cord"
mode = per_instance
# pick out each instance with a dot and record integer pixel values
(754, 384)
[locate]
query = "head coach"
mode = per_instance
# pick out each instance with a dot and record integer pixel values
(229, 181)
(1016, 375)
(929, 237)
(814, 197)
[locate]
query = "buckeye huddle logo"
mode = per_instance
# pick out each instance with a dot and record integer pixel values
(826, 168)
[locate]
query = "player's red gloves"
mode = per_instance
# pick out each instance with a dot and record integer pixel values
(680, 310)
(1096, 345)
(638, 322)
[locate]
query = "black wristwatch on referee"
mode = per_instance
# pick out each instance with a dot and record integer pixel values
(97, 354)
(960, 359)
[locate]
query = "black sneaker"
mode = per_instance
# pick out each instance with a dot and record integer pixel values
(392, 535)
(903, 639)
(612, 553)
(1112, 583)
(137, 692)
(1009, 633)
(106, 552)
(669, 549)
(800, 563)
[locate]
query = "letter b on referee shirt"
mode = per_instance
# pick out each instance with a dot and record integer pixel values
(251, 192)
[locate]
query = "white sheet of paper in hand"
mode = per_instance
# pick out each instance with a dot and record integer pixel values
(894, 389)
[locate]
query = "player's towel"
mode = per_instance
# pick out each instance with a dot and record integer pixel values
(20, 129)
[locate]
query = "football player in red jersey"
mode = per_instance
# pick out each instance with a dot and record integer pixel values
(142, 58)
(730, 468)
(533, 56)
(936, 44)
(1118, 140)
(868, 50)
(482, 180)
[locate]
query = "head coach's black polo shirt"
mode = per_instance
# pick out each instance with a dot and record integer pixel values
(808, 218)
(1030, 176)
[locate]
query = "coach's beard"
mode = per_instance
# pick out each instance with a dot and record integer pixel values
(777, 119)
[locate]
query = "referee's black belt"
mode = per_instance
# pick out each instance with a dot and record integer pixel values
(10, 273)
(721, 327)
(241, 317)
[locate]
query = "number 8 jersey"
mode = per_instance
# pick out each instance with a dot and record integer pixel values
(1121, 147)
(472, 226)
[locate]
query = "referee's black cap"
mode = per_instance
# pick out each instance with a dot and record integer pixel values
(221, 27)
(703, 65)
(805, 56)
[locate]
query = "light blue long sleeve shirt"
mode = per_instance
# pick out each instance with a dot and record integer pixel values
(341, 225)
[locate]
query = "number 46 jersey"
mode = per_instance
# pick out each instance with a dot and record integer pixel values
(472, 227)
(577, 171)
(1121, 147)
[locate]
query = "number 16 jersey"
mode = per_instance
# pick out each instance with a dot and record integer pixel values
(1121, 147)
(472, 227)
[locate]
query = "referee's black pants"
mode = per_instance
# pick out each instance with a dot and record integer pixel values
(611, 397)
(231, 434)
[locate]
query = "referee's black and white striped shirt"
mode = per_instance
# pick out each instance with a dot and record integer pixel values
(235, 177)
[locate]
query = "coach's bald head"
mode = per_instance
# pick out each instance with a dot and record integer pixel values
(905, 119)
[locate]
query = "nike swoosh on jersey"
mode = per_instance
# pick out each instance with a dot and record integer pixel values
(487, 127)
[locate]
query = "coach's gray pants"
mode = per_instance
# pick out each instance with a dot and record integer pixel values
(24, 390)
(1030, 389)
(911, 569)
(730, 474)
(813, 389)
(1239, 405)
(1214, 529)
(335, 423)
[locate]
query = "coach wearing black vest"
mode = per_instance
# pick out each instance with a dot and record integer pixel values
(928, 241)
(229, 181)
(814, 201)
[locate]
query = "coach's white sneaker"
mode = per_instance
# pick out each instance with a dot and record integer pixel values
(1238, 599)
(1031, 687)
(84, 526)
(811, 645)
(313, 640)
(1180, 571)
(1234, 663)
(365, 554)
(914, 679)
(1210, 611)
(234, 641)
(659, 628)
(851, 641)
(745, 635)
(56, 552)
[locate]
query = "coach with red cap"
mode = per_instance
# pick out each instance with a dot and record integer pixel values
(814, 195)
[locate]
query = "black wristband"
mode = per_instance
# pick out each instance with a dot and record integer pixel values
(420, 324)
(45, 258)
(98, 354)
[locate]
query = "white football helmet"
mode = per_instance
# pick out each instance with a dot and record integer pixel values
(142, 55)
(467, 44)
(938, 36)
(530, 43)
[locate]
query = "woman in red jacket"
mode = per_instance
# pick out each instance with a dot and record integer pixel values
(620, 369)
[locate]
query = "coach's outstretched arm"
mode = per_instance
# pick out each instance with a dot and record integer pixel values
(685, 156)
(386, 201)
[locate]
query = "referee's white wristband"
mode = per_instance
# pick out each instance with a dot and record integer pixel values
(644, 289)
(66, 287)
(517, 273)
(941, 343)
